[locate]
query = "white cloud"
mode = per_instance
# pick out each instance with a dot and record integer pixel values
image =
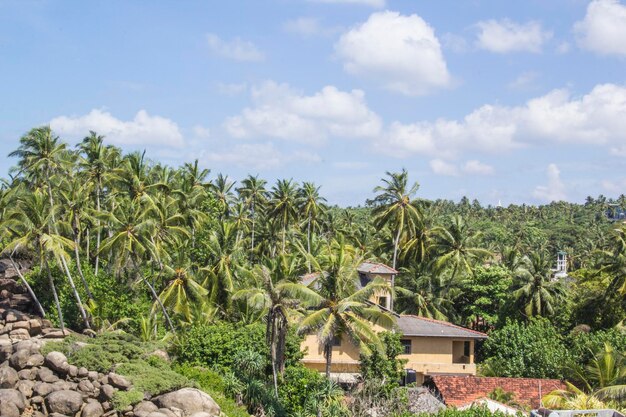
(236, 49)
(400, 52)
(261, 156)
(554, 190)
(231, 89)
(477, 168)
(614, 186)
(502, 36)
(441, 167)
(524, 81)
(201, 132)
(596, 118)
(453, 42)
(603, 30)
(281, 112)
(371, 3)
(307, 27)
(143, 129)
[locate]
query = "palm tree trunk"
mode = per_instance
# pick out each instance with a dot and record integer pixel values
(28, 287)
(308, 242)
(97, 260)
(252, 240)
(79, 303)
(155, 297)
(78, 266)
(55, 295)
(396, 242)
(284, 232)
(328, 352)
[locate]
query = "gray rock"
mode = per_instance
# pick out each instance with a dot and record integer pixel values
(21, 325)
(31, 345)
(119, 381)
(9, 410)
(25, 387)
(57, 362)
(6, 348)
(64, 402)
(46, 375)
(189, 400)
(144, 408)
(106, 392)
(92, 375)
(86, 386)
(83, 372)
(156, 414)
(201, 414)
(92, 409)
(37, 399)
(34, 360)
(12, 396)
(72, 371)
(19, 334)
(35, 327)
(8, 377)
(19, 359)
(169, 413)
(29, 374)
(42, 388)
(63, 386)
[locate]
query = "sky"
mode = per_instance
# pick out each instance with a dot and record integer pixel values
(502, 101)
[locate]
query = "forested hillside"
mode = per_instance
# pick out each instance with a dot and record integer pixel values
(123, 243)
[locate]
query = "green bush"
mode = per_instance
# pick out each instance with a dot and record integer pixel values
(297, 385)
(151, 377)
(384, 366)
(212, 383)
(532, 350)
(122, 399)
(470, 412)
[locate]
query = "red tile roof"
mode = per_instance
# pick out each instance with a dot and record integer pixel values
(459, 390)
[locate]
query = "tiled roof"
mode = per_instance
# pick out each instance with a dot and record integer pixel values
(421, 326)
(375, 268)
(456, 390)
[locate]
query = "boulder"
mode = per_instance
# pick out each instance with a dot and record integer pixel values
(34, 360)
(106, 392)
(31, 345)
(9, 410)
(92, 409)
(29, 374)
(86, 386)
(12, 396)
(64, 402)
(25, 387)
(19, 359)
(8, 377)
(156, 414)
(144, 408)
(83, 372)
(42, 388)
(118, 381)
(189, 400)
(57, 362)
(201, 414)
(46, 375)
(6, 348)
(19, 334)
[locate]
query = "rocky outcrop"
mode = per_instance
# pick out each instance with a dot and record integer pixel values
(37, 385)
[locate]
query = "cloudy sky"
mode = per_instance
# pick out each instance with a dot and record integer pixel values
(497, 100)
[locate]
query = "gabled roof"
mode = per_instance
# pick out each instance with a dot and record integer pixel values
(376, 268)
(421, 326)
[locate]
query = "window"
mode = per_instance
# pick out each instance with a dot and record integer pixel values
(382, 301)
(406, 346)
(336, 341)
(466, 349)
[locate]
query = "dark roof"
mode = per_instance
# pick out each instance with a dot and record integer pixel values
(421, 326)
(375, 268)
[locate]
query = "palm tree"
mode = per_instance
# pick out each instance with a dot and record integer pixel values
(394, 206)
(456, 248)
(223, 191)
(254, 195)
(311, 206)
(425, 293)
(224, 254)
(279, 299)
(534, 291)
(283, 205)
(344, 310)
(182, 291)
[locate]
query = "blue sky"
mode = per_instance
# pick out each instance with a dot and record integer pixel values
(500, 101)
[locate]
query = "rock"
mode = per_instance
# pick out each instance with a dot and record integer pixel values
(29, 374)
(46, 375)
(8, 377)
(12, 396)
(83, 372)
(144, 408)
(25, 387)
(11, 316)
(92, 409)
(201, 414)
(21, 325)
(86, 386)
(35, 327)
(9, 410)
(42, 388)
(63, 386)
(31, 345)
(168, 413)
(19, 359)
(119, 381)
(189, 400)
(64, 402)
(34, 360)
(37, 399)
(106, 392)
(19, 334)
(57, 362)
(156, 414)
(6, 348)
(72, 371)
(55, 334)
(7, 328)
(160, 353)
(92, 375)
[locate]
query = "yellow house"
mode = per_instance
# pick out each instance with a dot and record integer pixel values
(430, 346)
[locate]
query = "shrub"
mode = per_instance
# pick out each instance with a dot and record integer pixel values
(152, 377)
(470, 412)
(384, 366)
(122, 399)
(296, 388)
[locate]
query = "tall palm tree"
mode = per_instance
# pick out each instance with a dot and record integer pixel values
(182, 291)
(254, 195)
(395, 206)
(279, 299)
(425, 293)
(224, 255)
(534, 291)
(344, 311)
(223, 192)
(283, 205)
(311, 206)
(456, 247)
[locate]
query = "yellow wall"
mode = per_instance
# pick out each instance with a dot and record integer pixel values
(428, 355)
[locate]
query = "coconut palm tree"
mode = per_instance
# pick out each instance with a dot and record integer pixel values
(535, 292)
(182, 291)
(311, 206)
(222, 190)
(344, 311)
(254, 195)
(396, 207)
(283, 205)
(279, 299)
(224, 258)
(456, 247)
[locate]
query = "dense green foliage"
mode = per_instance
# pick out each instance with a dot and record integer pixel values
(470, 412)
(171, 254)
